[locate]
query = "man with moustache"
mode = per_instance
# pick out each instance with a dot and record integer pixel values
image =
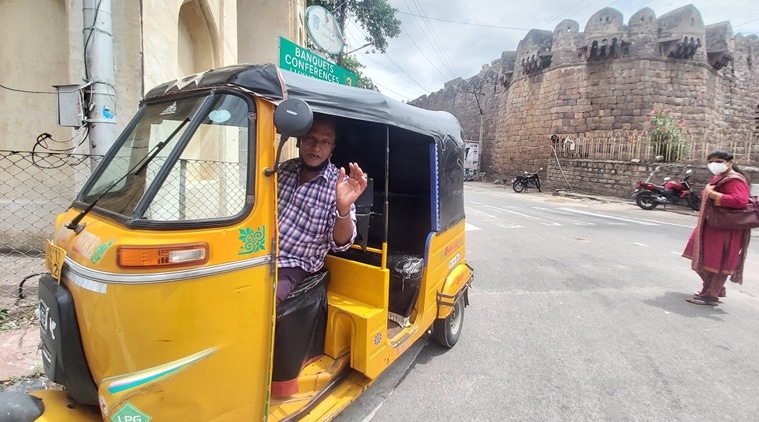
(316, 211)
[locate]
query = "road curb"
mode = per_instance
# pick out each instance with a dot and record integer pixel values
(577, 195)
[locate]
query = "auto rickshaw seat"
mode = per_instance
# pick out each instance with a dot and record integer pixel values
(299, 332)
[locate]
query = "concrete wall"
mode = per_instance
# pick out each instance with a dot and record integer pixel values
(262, 22)
(617, 178)
(42, 44)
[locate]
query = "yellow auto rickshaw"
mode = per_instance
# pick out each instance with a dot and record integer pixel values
(160, 302)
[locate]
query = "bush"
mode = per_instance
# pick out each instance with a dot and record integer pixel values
(668, 136)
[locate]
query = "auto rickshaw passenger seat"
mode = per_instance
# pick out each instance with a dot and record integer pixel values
(299, 332)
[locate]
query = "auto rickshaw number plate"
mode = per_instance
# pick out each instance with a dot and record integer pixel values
(54, 257)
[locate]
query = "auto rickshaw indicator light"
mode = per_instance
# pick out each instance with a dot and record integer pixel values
(162, 256)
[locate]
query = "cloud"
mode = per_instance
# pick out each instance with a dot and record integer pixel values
(459, 37)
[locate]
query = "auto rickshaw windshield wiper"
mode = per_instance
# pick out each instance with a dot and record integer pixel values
(137, 169)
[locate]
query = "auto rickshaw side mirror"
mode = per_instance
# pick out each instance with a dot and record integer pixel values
(292, 118)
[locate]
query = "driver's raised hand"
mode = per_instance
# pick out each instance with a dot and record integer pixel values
(348, 190)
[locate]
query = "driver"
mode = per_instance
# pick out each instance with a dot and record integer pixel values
(316, 211)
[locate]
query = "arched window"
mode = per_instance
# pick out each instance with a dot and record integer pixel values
(196, 41)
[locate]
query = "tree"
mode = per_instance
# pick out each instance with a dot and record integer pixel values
(350, 63)
(376, 17)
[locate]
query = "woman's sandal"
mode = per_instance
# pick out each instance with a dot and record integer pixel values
(701, 300)
(722, 293)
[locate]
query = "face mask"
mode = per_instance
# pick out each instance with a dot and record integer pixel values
(318, 167)
(717, 168)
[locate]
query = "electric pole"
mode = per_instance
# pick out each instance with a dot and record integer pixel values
(477, 91)
(99, 72)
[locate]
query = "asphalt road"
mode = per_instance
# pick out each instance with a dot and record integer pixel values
(578, 313)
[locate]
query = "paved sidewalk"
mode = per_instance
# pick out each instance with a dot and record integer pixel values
(19, 349)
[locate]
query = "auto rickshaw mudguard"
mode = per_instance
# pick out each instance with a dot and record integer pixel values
(456, 285)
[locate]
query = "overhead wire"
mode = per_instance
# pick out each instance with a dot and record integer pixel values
(396, 73)
(394, 92)
(27, 91)
(407, 77)
(431, 37)
(465, 23)
(404, 31)
(746, 23)
(565, 14)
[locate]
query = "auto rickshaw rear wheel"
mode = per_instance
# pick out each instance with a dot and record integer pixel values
(447, 331)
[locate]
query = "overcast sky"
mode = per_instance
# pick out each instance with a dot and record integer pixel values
(445, 39)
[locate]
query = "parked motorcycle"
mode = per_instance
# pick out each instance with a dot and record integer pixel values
(521, 183)
(649, 195)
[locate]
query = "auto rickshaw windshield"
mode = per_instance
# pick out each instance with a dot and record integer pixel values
(176, 150)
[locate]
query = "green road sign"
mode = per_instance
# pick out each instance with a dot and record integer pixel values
(297, 59)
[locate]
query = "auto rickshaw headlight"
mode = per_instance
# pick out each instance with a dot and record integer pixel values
(162, 256)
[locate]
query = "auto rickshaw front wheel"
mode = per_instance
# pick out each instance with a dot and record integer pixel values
(447, 331)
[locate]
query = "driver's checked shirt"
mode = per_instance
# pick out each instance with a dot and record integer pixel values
(307, 217)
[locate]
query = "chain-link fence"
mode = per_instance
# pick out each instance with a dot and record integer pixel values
(34, 188)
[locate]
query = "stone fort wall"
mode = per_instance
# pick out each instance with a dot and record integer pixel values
(610, 77)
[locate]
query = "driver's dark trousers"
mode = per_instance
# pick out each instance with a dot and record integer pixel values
(289, 278)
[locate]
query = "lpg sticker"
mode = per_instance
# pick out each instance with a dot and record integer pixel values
(129, 413)
(252, 240)
(452, 263)
(98, 254)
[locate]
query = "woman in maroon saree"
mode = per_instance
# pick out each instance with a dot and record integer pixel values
(716, 254)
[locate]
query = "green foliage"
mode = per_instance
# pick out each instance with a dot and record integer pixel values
(668, 135)
(376, 17)
(5, 325)
(350, 63)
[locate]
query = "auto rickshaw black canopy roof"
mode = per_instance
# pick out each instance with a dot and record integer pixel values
(324, 97)
(270, 82)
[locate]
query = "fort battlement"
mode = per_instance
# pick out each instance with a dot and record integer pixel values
(608, 78)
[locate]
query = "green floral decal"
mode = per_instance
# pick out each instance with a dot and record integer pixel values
(98, 254)
(252, 240)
